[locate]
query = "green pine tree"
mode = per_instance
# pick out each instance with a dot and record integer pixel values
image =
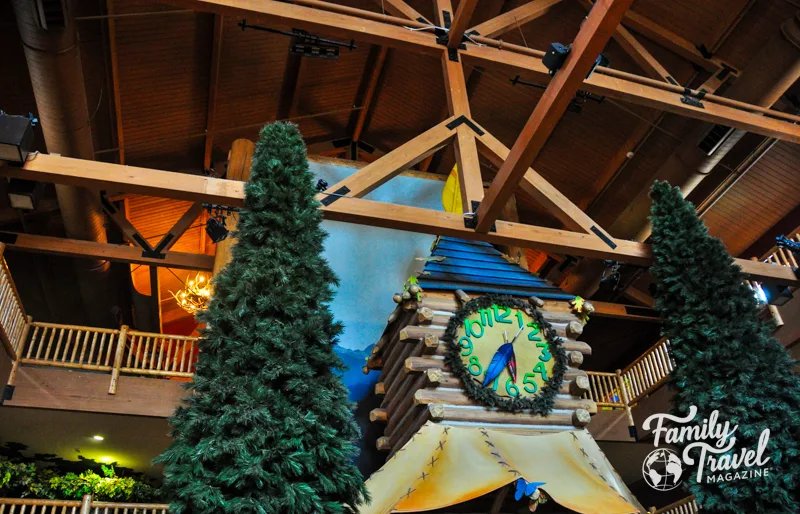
(268, 428)
(725, 358)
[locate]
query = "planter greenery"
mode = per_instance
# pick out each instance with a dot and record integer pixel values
(725, 358)
(268, 427)
(29, 480)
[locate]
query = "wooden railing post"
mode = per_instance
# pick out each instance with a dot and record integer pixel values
(123, 336)
(623, 396)
(20, 352)
(86, 504)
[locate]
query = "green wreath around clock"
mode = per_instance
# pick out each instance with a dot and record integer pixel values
(506, 354)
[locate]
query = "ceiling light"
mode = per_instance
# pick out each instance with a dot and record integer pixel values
(106, 459)
(98, 437)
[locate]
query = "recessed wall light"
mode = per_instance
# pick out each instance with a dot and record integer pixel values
(98, 437)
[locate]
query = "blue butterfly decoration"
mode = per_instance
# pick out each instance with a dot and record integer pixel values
(525, 488)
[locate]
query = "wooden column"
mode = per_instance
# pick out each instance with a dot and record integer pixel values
(238, 169)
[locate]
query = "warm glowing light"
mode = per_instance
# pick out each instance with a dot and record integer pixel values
(106, 459)
(98, 437)
(195, 295)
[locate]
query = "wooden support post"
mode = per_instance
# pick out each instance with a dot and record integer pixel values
(86, 504)
(122, 341)
(20, 352)
(239, 164)
(460, 23)
(623, 396)
(593, 36)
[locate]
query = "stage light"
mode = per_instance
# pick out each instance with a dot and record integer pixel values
(16, 137)
(98, 437)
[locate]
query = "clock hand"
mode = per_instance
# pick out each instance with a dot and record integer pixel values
(505, 336)
(518, 333)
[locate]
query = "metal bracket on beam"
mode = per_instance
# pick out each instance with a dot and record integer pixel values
(461, 120)
(607, 240)
(693, 98)
(8, 393)
(471, 218)
(332, 197)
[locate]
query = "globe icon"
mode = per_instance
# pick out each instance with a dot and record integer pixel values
(662, 469)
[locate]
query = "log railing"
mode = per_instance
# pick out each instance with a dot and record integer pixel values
(685, 506)
(781, 257)
(85, 506)
(624, 389)
(13, 320)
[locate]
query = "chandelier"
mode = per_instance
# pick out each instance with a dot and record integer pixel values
(195, 294)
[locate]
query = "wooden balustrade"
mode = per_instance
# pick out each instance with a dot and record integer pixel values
(648, 372)
(86, 506)
(70, 346)
(159, 354)
(685, 506)
(13, 320)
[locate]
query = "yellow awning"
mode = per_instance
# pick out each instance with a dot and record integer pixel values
(446, 465)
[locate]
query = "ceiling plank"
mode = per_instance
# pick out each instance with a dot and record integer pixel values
(514, 18)
(94, 250)
(544, 193)
(372, 74)
(216, 50)
(460, 22)
(112, 45)
(129, 179)
(377, 173)
(595, 32)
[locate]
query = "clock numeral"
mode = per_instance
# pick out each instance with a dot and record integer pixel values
(530, 380)
(466, 346)
(501, 318)
(511, 388)
(520, 321)
(475, 369)
(486, 317)
(532, 334)
(469, 328)
(539, 368)
(494, 384)
(545, 355)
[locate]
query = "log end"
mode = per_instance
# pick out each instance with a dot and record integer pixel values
(574, 329)
(431, 341)
(380, 388)
(579, 386)
(424, 315)
(436, 411)
(536, 302)
(581, 417)
(588, 307)
(461, 296)
(378, 415)
(398, 298)
(434, 375)
(383, 444)
(575, 358)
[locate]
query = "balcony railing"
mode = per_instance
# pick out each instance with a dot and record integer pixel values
(105, 350)
(684, 506)
(85, 506)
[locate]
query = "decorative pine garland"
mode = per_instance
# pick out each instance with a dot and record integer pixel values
(541, 404)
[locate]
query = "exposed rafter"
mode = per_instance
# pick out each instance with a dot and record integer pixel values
(129, 179)
(216, 50)
(401, 9)
(460, 22)
(369, 87)
(93, 250)
(641, 56)
(112, 47)
(514, 18)
(590, 41)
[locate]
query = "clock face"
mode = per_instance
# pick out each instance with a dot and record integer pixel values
(504, 350)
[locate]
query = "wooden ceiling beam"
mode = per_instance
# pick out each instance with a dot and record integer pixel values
(349, 22)
(670, 41)
(595, 32)
(216, 50)
(112, 46)
(514, 18)
(166, 184)
(641, 56)
(112, 252)
(466, 150)
(377, 173)
(544, 193)
(180, 227)
(460, 22)
(401, 9)
(643, 93)
(371, 76)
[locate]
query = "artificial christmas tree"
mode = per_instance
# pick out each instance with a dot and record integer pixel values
(725, 359)
(268, 428)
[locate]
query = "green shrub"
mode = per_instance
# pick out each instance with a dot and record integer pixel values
(27, 480)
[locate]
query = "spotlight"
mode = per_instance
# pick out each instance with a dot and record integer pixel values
(776, 294)
(16, 137)
(98, 437)
(24, 194)
(216, 230)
